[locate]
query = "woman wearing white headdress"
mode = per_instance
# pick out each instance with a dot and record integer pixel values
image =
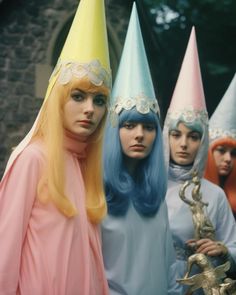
(221, 161)
(51, 195)
(186, 144)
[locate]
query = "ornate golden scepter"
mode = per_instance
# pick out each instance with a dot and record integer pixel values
(203, 227)
(211, 279)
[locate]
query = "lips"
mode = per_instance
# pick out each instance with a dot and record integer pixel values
(182, 154)
(138, 147)
(85, 122)
(225, 168)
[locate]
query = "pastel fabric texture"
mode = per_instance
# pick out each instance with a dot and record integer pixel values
(222, 123)
(189, 91)
(46, 252)
(181, 223)
(222, 132)
(137, 259)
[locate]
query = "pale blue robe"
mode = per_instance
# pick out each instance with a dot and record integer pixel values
(180, 216)
(181, 223)
(138, 254)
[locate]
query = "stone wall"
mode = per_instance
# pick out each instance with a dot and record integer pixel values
(28, 32)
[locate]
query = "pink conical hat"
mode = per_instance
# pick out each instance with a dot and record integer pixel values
(188, 106)
(188, 93)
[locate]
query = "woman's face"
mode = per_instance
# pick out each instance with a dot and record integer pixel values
(184, 144)
(224, 157)
(83, 112)
(137, 139)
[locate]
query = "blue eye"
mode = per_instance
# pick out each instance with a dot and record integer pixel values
(174, 133)
(195, 136)
(100, 100)
(233, 153)
(220, 150)
(149, 127)
(128, 125)
(77, 96)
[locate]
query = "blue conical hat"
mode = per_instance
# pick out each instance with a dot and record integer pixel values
(223, 121)
(133, 86)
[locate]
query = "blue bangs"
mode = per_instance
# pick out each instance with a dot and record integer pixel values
(134, 116)
(145, 189)
(195, 125)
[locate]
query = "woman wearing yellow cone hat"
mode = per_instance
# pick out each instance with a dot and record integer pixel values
(51, 195)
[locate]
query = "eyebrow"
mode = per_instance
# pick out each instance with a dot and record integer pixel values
(85, 92)
(175, 130)
(189, 133)
(78, 89)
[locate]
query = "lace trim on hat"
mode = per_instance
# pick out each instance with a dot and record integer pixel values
(142, 103)
(188, 115)
(219, 132)
(93, 70)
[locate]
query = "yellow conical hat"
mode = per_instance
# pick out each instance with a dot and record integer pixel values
(87, 39)
(85, 53)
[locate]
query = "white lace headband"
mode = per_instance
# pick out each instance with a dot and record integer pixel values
(142, 103)
(93, 70)
(216, 133)
(188, 115)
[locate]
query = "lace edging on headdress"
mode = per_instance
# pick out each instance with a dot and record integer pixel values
(142, 103)
(188, 115)
(219, 133)
(93, 70)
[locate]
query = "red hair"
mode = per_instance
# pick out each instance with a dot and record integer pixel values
(211, 172)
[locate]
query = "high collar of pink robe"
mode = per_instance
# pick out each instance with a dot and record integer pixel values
(43, 251)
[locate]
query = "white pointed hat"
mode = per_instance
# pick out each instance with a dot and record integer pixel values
(223, 121)
(133, 85)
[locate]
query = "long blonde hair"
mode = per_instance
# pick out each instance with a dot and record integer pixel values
(50, 130)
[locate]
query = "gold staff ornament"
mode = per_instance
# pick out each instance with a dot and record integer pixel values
(203, 227)
(211, 279)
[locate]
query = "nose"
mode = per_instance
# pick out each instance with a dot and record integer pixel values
(139, 134)
(183, 141)
(89, 106)
(227, 156)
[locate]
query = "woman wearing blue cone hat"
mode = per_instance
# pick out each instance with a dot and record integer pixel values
(136, 242)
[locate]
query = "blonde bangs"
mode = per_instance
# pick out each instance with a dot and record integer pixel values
(86, 85)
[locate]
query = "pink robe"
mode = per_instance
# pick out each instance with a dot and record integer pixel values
(42, 252)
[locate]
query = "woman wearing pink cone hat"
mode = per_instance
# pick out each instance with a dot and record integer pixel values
(186, 145)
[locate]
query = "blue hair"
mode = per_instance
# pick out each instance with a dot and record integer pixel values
(147, 188)
(195, 125)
